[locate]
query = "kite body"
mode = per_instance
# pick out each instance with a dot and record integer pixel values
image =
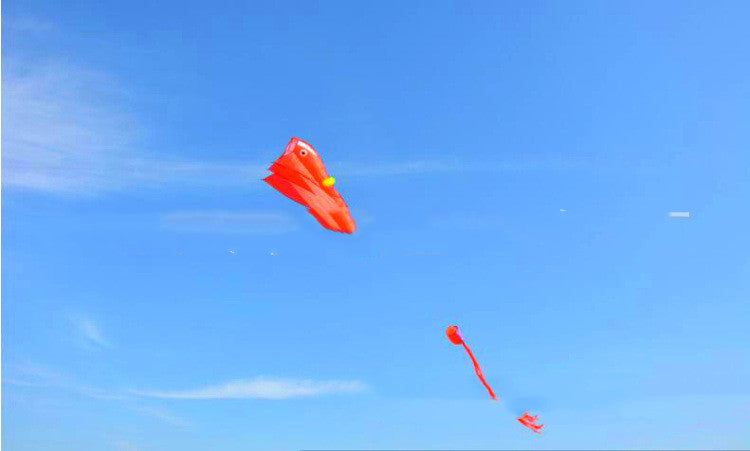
(530, 422)
(455, 337)
(300, 175)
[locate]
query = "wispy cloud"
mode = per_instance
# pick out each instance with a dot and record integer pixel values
(36, 376)
(261, 388)
(28, 374)
(161, 414)
(229, 222)
(27, 24)
(126, 445)
(66, 131)
(32, 375)
(89, 332)
(376, 169)
(60, 127)
(367, 169)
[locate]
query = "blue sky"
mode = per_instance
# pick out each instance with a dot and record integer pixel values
(511, 167)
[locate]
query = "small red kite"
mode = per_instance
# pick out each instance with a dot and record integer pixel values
(300, 175)
(455, 337)
(530, 422)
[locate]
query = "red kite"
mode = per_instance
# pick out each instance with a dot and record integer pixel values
(300, 175)
(455, 337)
(530, 422)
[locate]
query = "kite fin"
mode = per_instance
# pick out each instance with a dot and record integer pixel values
(530, 422)
(326, 222)
(285, 188)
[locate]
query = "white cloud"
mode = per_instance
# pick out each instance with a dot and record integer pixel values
(450, 165)
(32, 375)
(126, 445)
(161, 414)
(89, 332)
(67, 131)
(26, 24)
(60, 127)
(262, 388)
(377, 169)
(36, 376)
(229, 222)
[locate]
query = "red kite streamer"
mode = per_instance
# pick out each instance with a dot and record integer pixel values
(530, 422)
(300, 175)
(455, 337)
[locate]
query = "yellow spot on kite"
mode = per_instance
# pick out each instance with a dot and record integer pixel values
(329, 181)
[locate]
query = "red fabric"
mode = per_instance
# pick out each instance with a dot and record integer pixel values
(299, 174)
(478, 370)
(530, 422)
(454, 335)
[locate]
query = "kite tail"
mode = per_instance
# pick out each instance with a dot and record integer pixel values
(478, 370)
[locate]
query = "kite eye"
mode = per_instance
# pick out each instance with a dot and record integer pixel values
(303, 153)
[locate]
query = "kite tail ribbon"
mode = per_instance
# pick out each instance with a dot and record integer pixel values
(478, 370)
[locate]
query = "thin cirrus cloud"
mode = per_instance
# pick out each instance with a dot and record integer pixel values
(27, 374)
(261, 388)
(257, 388)
(126, 445)
(29, 25)
(161, 414)
(435, 166)
(398, 168)
(89, 332)
(229, 222)
(66, 132)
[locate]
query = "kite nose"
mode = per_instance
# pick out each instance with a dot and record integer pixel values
(454, 335)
